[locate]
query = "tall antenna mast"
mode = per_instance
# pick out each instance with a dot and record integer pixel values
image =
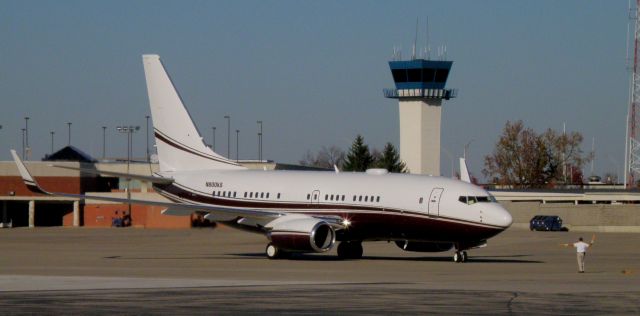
(415, 42)
(633, 143)
(428, 48)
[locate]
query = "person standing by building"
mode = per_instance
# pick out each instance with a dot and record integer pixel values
(581, 251)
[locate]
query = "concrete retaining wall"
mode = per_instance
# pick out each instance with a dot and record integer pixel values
(581, 217)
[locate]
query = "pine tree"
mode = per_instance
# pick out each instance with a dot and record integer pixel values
(359, 158)
(390, 160)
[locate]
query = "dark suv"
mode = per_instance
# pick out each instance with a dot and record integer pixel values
(546, 222)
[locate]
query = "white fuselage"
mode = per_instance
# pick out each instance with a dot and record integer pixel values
(393, 199)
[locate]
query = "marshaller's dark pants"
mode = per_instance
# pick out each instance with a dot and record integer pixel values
(581, 261)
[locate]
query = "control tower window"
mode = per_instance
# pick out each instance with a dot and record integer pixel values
(428, 74)
(399, 75)
(441, 75)
(414, 75)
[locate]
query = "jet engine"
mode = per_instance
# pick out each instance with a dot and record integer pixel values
(301, 234)
(419, 246)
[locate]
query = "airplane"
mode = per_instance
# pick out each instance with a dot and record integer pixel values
(303, 211)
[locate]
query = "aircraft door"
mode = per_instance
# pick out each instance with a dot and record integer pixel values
(434, 201)
(315, 197)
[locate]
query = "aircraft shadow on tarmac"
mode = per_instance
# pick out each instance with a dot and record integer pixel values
(478, 259)
(318, 257)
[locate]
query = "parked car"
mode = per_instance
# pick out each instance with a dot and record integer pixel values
(547, 223)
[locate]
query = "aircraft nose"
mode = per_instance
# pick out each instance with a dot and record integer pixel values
(503, 217)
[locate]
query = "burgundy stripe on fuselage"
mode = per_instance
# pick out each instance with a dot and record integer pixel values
(173, 143)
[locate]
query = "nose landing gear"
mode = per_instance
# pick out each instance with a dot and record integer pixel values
(460, 256)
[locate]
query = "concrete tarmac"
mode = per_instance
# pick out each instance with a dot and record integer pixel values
(224, 271)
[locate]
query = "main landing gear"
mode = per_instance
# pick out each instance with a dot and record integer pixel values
(460, 256)
(350, 250)
(274, 252)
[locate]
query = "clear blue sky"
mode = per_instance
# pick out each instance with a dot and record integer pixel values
(313, 71)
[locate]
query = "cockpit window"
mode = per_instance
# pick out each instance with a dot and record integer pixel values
(476, 199)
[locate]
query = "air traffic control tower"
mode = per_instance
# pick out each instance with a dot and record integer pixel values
(420, 89)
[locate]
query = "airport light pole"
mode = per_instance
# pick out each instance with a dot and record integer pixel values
(213, 143)
(23, 149)
(228, 135)
(52, 133)
(26, 133)
(147, 139)
(237, 145)
(466, 147)
(129, 130)
(69, 134)
(104, 142)
(260, 141)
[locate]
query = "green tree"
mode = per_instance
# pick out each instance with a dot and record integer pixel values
(390, 160)
(358, 158)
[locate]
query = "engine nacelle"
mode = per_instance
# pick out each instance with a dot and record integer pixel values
(418, 246)
(301, 234)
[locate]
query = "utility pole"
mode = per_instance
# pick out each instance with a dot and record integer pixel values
(147, 140)
(237, 145)
(104, 142)
(69, 141)
(260, 140)
(26, 128)
(24, 154)
(213, 143)
(52, 133)
(228, 136)
(129, 130)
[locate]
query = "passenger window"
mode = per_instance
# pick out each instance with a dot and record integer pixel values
(251, 195)
(279, 196)
(366, 198)
(354, 198)
(331, 197)
(378, 199)
(261, 195)
(326, 197)
(315, 196)
(360, 198)
(234, 193)
(420, 201)
(343, 197)
(245, 194)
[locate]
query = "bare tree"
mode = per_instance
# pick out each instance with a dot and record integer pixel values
(326, 157)
(525, 159)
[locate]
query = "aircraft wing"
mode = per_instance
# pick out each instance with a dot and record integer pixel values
(171, 208)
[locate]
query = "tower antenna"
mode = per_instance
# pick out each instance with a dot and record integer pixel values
(427, 48)
(415, 42)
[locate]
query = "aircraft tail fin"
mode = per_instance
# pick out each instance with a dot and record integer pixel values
(180, 146)
(464, 172)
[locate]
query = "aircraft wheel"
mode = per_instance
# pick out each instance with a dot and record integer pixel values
(350, 250)
(457, 256)
(344, 250)
(273, 252)
(356, 250)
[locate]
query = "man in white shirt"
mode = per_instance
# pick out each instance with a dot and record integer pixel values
(581, 248)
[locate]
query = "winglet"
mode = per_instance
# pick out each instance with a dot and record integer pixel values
(464, 172)
(26, 176)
